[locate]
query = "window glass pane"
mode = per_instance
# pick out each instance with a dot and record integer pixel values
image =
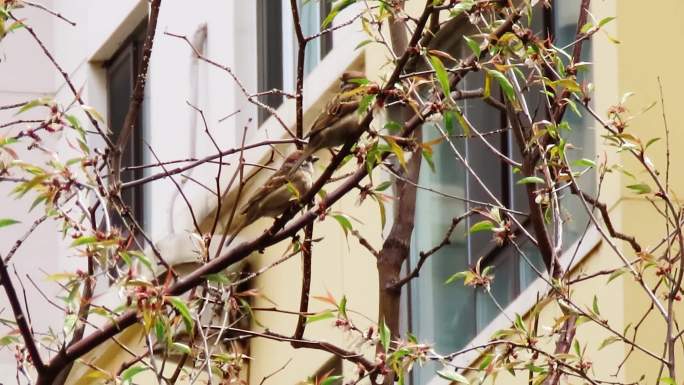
(310, 25)
(326, 39)
(490, 170)
(581, 133)
(450, 316)
(437, 309)
(269, 53)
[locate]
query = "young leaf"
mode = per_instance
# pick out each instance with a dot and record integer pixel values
(84, 240)
(474, 46)
(327, 314)
(337, 8)
(183, 310)
(453, 376)
(605, 21)
(183, 348)
(584, 162)
(8, 222)
(128, 374)
(640, 188)
(531, 179)
(505, 85)
(454, 277)
(384, 334)
(481, 226)
(609, 341)
(442, 76)
(342, 307)
(595, 307)
(32, 104)
(344, 222)
(331, 380)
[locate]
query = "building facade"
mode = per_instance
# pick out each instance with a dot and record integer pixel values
(255, 39)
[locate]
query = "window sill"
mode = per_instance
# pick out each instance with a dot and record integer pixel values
(523, 303)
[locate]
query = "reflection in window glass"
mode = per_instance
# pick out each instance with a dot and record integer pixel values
(277, 46)
(451, 316)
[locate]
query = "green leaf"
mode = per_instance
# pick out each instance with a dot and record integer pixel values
(449, 121)
(668, 381)
(427, 155)
(396, 150)
(442, 76)
(344, 222)
(531, 179)
(32, 104)
(384, 333)
(455, 276)
(465, 124)
(609, 341)
(365, 102)
(474, 46)
(182, 309)
(381, 207)
(640, 188)
(650, 142)
(383, 186)
(327, 314)
(160, 329)
(8, 340)
(505, 85)
(331, 380)
(617, 273)
(337, 8)
(8, 222)
(128, 374)
(595, 306)
(83, 240)
(453, 376)
(183, 348)
(486, 361)
(364, 43)
(393, 126)
(519, 323)
(94, 113)
(584, 162)
(481, 226)
(342, 307)
(605, 21)
(462, 6)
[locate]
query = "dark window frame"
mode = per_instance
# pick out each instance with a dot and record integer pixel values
(130, 55)
(270, 60)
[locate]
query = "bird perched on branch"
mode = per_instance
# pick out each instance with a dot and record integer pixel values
(338, 120)
(280, 190)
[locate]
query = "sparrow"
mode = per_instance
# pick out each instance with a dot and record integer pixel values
(338, 120)
(279, 191)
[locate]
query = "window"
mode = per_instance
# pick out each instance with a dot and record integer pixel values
(122, 70)
(451, 316)
(277, 46)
